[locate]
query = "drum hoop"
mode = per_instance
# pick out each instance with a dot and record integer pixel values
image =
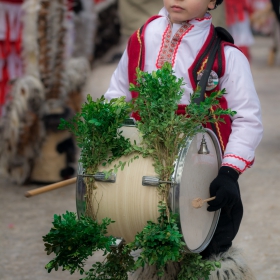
(175, 190)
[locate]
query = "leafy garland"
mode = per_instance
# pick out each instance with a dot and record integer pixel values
(96, 130)
(163, 133)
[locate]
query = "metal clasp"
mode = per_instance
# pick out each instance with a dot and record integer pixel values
(153, 181)
(100, 176)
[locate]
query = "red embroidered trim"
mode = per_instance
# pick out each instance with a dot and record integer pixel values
(160, 59)
(169, 47)
(205, 18)
(179, 42)
(248, 163)
(234, 167)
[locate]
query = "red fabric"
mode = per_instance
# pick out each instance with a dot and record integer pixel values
(245, 51)
(6, 46)
(135, 51)
(235, 10)
(4, 84)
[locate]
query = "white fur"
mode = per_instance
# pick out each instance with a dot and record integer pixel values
(77, 72)
(233, 266)
(29, 37)
(21, 112)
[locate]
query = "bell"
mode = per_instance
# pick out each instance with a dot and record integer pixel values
(203, 150)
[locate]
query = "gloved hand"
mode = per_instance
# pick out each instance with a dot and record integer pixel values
(225, 188)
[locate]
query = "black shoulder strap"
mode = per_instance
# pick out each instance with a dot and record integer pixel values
(221, 35)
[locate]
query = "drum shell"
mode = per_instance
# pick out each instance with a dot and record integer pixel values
(131, 205)
(127, 201)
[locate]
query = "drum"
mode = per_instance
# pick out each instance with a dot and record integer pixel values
(130, 198)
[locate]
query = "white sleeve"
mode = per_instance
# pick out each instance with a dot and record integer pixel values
(241, 97)
(119, 84)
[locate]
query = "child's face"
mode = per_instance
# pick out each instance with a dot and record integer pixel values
(182, 10)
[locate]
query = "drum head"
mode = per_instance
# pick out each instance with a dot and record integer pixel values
(193, 175)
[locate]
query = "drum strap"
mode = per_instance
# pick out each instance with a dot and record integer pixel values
(220, 34)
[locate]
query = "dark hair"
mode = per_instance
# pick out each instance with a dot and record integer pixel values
(219, 2)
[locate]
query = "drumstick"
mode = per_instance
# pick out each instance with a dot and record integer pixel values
(51, 187)
(198, 202)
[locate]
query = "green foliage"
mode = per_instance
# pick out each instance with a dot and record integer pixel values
(160, 242)
(163, 131)
(96, 130)
(193, 267)
(73, 241)
(116, 265)
(163, 134)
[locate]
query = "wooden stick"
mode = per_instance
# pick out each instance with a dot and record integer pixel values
(51, 187)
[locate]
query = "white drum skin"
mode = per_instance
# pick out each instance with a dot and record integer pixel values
(193, 174)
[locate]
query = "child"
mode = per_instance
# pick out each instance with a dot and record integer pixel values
(182, 34)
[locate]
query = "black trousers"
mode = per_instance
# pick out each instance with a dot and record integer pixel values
(227, 228)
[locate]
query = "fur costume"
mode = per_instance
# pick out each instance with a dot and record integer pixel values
(150, 272)
(233, 267)
(31, 146)
(58, 146)
(21, 129)
(57, 155)
(84, 21)
(10, 45)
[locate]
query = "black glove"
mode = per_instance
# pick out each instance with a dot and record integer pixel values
(225, 188)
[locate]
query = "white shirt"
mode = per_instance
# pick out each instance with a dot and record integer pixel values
(237, 80)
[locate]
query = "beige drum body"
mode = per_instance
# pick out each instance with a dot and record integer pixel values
(130, 204)
(125, 201)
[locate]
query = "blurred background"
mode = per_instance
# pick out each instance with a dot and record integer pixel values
(55, 52)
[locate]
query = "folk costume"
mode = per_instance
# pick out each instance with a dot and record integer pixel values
(238, 24)
(32, 149)
(10, 45)
(186, 46)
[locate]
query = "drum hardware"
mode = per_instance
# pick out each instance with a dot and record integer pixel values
(131, 205)
(198, 202)
(153, 181)
(101, 177)
(129, 122)
(119, 241)
(203, 150)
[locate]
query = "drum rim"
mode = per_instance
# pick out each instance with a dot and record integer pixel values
(175, 187)
(175, 190)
